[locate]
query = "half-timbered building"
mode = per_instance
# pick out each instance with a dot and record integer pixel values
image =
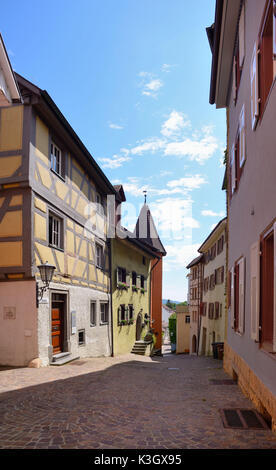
(53, 208)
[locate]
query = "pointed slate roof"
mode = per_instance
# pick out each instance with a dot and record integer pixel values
(145, 231)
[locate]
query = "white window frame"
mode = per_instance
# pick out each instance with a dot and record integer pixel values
(56, 160)
(106, 313)
(99, 257)
(56, 240)
(94, 312)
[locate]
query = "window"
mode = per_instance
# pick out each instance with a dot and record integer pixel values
(99, 256)
(239, 55)
(121, 275)
(206, 284)
(262, 65)
(122, 313)
(93, 313)
(211, 311)
(143, 282)
(220, 245)
(238, 154)
(134, 278)
(187, 318)
(81, 336)
(104, 312)
(130, 312)
(144, 260)
(237, 295)
(57, 160)
(219, 275)
(212, 282)
(99, 203)
(55, 231)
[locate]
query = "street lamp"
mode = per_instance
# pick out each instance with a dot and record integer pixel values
(46, 272)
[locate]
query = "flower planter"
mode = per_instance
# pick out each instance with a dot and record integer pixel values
(122, 285)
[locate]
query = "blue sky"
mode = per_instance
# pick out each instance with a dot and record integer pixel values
(132, 77)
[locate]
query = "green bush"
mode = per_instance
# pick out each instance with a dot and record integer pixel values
(172, 328)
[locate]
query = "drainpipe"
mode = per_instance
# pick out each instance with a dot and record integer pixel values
(199, 316)
(109, 243)
(159, 258)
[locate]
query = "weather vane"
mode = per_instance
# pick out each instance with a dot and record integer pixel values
(145, 195)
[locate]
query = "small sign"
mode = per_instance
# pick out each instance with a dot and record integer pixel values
(9, 313)
(73, 322)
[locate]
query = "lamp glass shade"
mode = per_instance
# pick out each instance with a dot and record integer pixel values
(46, 272)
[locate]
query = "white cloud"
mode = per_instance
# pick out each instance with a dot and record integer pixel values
(167, 67)
(175, 124)
(115, 126)
(198, 150)
(150, 84)
(179, 255)
(152, 145)
(188, 182)
(115, 162)
(210, 213)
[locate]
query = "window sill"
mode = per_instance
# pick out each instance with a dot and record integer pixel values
(56, 248)
(58, 175)
(104, 323)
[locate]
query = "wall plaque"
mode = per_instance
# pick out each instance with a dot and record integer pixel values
(9, 313)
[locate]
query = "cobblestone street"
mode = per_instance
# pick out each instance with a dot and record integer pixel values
(130, 402)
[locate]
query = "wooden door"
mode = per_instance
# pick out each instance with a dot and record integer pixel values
(57, 330)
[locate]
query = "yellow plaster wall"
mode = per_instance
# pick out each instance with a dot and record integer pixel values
(10, 254)
(40, 227)
(11, 128)
(42, 141)
(126, 256)
(9, 165)
(11, 224)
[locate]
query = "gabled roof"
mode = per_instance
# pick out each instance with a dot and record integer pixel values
(9, 89)
(47, 107)
(146, 232)
(221, 225)
(120, 194)
(195, 261)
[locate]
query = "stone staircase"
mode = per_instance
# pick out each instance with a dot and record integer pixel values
(142, 348)
(63, 358)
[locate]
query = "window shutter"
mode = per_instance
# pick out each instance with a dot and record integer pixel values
(242, 38)
(234, 80)
(254, 88)
(242, 138)
(138, 281)
(233, 169)
(274, 33)
(255, 289)
(119, 314)
(241, 294)
(117, 276)
(127, 313)
(145, 283)
(274, 309)
(128, 278)
(232, 308)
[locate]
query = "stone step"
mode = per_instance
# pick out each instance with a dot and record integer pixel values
(58, 356)
(64, 360)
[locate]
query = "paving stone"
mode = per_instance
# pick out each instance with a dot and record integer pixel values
(123, 402)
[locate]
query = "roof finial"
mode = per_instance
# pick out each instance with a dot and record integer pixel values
(145, 195)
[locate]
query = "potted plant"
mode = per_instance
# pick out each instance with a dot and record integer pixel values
(135, 289)
(142, 290)
(122, 285)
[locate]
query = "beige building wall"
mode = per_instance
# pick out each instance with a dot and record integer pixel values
(182, 329)
(213, 329)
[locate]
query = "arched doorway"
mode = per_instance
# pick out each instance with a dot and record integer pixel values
(138, 327)
(194, 344)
